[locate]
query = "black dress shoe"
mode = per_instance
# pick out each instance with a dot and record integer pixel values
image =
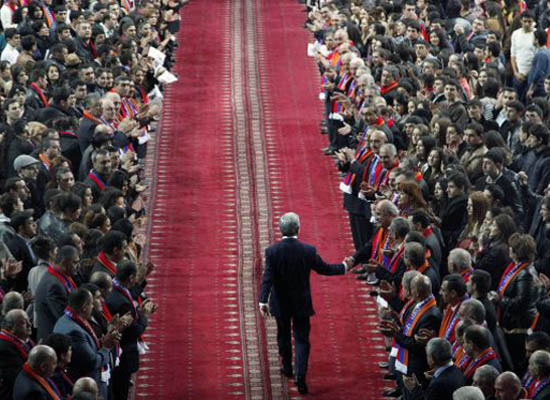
(392, 393)
(301, 385)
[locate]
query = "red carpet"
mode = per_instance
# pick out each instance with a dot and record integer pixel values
(239, 145)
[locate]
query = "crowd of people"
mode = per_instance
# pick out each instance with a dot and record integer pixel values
(437, 118)
(81, 87)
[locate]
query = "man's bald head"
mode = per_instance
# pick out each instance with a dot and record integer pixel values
(421, 287)
(507, 386)
(85, 385)
(12, 301)
(43, 360)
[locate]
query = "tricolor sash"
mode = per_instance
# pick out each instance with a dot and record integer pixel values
(402, 357)
(50, 16)
(448, 325)
(65, 280)
(14, 340)
(363, 156)
(394, 262)
(388, 88)
(97, 180)
(126, 293)
(45, 162)
(539, 387)
(486, 355)
(47, 384)
(401, 317)
(466, 274)
(529, 383)
(509, 274)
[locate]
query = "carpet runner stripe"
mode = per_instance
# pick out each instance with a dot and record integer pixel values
(237, 147)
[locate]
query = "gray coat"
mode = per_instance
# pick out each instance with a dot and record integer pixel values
(50, 300)
(88, 359)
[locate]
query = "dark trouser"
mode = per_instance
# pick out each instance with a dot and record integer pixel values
(337, 141)
(361, 230)
(301, 327)
(516, 347)
(129, 363)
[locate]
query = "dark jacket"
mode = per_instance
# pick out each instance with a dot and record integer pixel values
(494, 259)
(453, 219)
(518, 305)
(50, 300)
(442, 387)
(288, 264)
(21, 252)
(26, 388)
(11, 362)
(418, 363)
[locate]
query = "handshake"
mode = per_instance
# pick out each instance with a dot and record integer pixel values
(349, 263)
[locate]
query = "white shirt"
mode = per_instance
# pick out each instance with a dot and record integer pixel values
(6, 15)
(523, 49)
(9, 54)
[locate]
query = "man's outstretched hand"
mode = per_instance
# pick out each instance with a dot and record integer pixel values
(264, 310)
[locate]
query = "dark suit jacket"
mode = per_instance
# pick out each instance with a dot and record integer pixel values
(50, 300)
(26, 388)
(119, 304)
(418, 363)
(442, 387)
(20, 251)
(87, 358)
(11, 362)
(288, 264)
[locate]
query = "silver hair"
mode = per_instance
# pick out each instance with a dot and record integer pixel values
(468, 393)
(391, 149)
(475, 310)
(541, 361)
(460, 259)
(487, 374)
(400, 226)
(289, 224)
(11, 318)
(407, 279)
(439, 349)
(423, 285)
(387, 207)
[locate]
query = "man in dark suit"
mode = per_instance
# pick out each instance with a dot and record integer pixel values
(90, 355)
(423, 316)
(446, 378)
(52, 293)
(14, 349)
(20, 245)
(288, 264)
(121, 302)
(33, 382)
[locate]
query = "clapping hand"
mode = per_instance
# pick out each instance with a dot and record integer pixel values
(11, 267)
(424, 335)
(387, 290)
(411, 382)
(388, 327)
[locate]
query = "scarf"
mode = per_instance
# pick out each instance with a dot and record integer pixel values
(94, 176)
(402, 357)
(40, 94)
(126, 293)
(509, 274)
(448, 325)
(380, 242)
(103, 260)
(16, 342)
(45, 161)
(394, 262)
(363, 156)
(47, 384)
(529, 383)
(65, 280)
(466, 274)
(486, 355)
(69, 312)
(388, 88)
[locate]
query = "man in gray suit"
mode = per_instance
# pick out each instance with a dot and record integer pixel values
(53, 290)
(90, 355)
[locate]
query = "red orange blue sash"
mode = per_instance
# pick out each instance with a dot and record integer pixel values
(95, 177)
(509, 274)
(402, 358)
(18, 343)
(47, 384)
(486, 355)
(67, 281)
